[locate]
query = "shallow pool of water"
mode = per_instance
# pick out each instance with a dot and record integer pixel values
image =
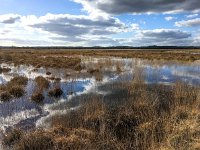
(24, 113)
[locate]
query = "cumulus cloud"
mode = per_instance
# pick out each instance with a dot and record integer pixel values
(84, 30)
(139, 6)
(64, 29)
(169, 18)
(9, 18)
(72, 26)
(188, 23)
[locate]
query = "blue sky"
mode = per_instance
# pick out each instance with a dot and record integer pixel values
(99, 22)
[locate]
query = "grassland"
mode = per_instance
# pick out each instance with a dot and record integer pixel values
(25, 56)
(147, 117)
(134, 115)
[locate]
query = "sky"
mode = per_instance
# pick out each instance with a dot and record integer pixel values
(100, 22)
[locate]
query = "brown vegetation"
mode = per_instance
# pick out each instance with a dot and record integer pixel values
(19, 80)
(36, 60)
(48, 73)
(56, 59)
(149, 117)
(5, 96)
(14, 88)
(13, 137)
(42, 83)
(4, 70)
(132, 116)
(37, 97)
(16, 91)
(56, 92)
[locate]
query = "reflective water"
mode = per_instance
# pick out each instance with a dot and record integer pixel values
(26, 114)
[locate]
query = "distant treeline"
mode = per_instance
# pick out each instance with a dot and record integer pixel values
(99, 47)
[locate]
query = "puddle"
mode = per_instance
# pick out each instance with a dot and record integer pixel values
(26, 114)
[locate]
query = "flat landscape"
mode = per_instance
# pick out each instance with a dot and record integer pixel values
(58, 99)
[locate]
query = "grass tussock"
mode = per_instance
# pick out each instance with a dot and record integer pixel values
(4, 70)
(42, 82)
(37, 97)
(150, 117)
(5, 96)
(15, 88)
(93, 71)
(56, 92)
(19, 80)
(48, 73)
(17, 91)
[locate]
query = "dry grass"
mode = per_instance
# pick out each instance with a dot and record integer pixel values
(48, 73)
(15, 88)
(150, 117)
(36, 60)
(4, 70)
(33, 57)
(155, 117)
(16, 91)
(5, 96)
(13, 137)
(42, 83)
(19, 80)
(56, 92)
(37, 97)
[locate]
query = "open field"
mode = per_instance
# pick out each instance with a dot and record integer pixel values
(166, 54)
(99, 99)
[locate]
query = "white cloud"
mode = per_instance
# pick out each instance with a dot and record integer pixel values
(169, 18)
(9, 18)
(62, 29)
(84, 30)
(188, 23)
(192, 16)
(166, 37)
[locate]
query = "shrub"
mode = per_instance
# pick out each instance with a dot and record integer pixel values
(57, 92)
